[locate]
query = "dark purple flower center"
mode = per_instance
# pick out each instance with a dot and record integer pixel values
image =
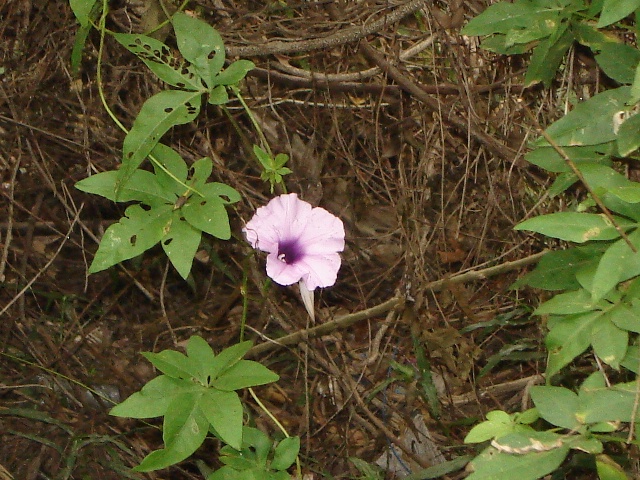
(289, 251)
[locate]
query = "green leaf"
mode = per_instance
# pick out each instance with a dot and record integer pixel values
(200, 44)
(631, 361)
(152, 401)
(608, 469)
(492, 464)
(590, 122)
(626, 317)
(82, 11)
(550, 160)
(557, 405)
(228, 358)
(502, 17)
(572, 226)
(498, 44)
(547, 56)
(609, 342)
(569, 338)
(252, 437)
(173, 364)
(614, 10)
(498, 423)
(208, 213)
(181, 243)
(618, 61)
(557, 269)
(607, 404)
(224, 412)
(629, 137)
(142, 186)
(173, 162)
(617, 264)
(161, 61)
(185, 428)
(158, 114)
(245, 373)
(234, 73)
(218, 95)
(136, 232)
(200, 354)
(567, 303)
(285, 453)
(79, 42)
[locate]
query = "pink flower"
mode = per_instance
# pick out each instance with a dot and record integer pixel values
(303, 242)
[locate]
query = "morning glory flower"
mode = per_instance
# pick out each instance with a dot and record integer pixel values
(302, 241)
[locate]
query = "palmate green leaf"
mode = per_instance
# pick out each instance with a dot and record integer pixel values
(568, 338)
(224, 412)
(614, 10)
(153, 400)
(208, 213)
(573, 226)
(492, 464)
(142, 186)
(547, 56)
(609, 341)
(161, 61)
(158, 114)
(201, 45)
(618, 61)
(181, 243)
(245, 373)
(185, 428)
(629, 136)
(590, 122)
(136, 232)
(618, 263)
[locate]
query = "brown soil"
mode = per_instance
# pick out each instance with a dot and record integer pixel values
(429, 184)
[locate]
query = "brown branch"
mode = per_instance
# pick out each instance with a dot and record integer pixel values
(348, 35)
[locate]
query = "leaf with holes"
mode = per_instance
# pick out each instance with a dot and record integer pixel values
(158, 114)
(136, 232)
(208, 213)
(142, 186)
(161, 61)
(201, 45)
(181, 243)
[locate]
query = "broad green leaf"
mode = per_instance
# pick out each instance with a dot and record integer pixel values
(567, 303)
(550, 160)
(200, 44)
(245, 373)
(227, 358)
(631, 361)
(572, 226)
(587, 35)
(136, 232)
(260, 443)
(218, 95)
(161, 61)
(547, 56)
(158, 114)
(626, 317)
(142, 186)
(173, 364)
(614, 10)
(557, 405)
(619, 61)
(561, 183)
(185, 428)
(82, 10)
(502, 17)
(608, 404)
(224, 412)
(498, 423)
(208, 213)
(585, 443)
(498, 44)
(285, 453)
(569, 338)
(605, 177)
(492, 464)
(609, 342)
(617, 264)
(557, 269)
(590, 122)
(629, 137)
(233, 73)
(152, 401)
(181, 243)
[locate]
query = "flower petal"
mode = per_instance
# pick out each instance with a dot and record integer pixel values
(284, 273)
(320, 270)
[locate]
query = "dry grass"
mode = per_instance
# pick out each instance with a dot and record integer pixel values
(422, 191)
